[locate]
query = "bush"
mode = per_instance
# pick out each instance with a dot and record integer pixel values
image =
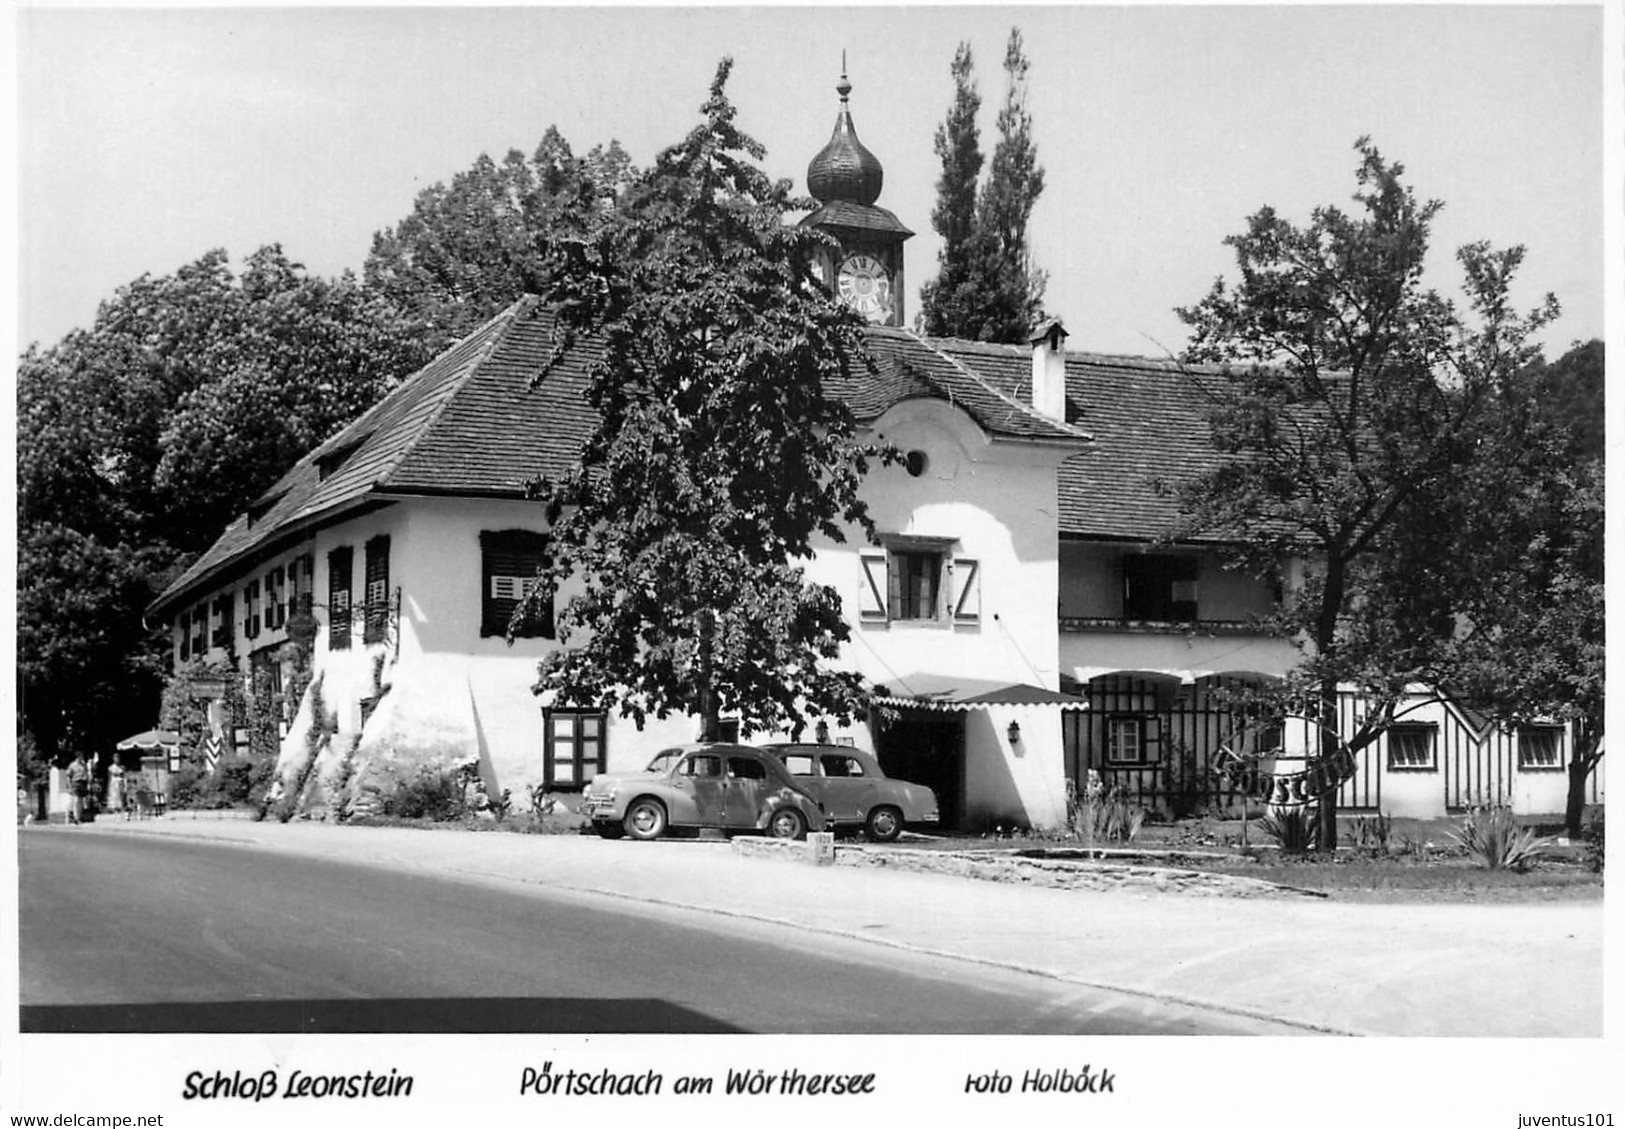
(432, 794)
(1291, 829)
(1102, 815)
(1370, 834)
(1492, 838)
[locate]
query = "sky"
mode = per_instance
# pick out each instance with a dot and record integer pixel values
(148, 136)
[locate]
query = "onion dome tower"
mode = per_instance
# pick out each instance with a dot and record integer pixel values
(866, 272)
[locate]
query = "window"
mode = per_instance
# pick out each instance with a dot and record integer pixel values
(1411, 747)
(510, 564)
(186, 636)
(376, 593)
(340, 564)
(705, 765)
(251, 610)
(746, 768)
(225, 615)
(728, 730)
(799, 764)
(837, 765)
(1159, 588)
(1125, 740)
(303, 574)
(574, 747)
(276, 613)
(200, 630)
(917, 579)
(1540, 746)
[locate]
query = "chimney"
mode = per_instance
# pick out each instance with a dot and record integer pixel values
(1049, 370)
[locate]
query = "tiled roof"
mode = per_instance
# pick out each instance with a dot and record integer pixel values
(1151, 428)
(477, 421)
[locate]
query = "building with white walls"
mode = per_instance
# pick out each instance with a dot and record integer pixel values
(1024, 619)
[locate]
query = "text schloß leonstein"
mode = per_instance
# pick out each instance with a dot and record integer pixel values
(267, 1084)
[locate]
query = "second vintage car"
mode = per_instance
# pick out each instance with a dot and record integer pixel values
(732, 787)
(855, 792)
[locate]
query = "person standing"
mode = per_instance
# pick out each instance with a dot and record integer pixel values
(78, 787)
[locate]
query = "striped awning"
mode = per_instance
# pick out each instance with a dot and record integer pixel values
(150, 741)
(947, 694)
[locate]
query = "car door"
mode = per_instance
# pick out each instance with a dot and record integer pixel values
(699, 779)
(746, 789)
(848, 790)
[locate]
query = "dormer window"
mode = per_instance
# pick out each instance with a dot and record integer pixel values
(328, 464)
(258, 509)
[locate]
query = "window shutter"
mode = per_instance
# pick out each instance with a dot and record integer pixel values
(967, 590)
(874, 586)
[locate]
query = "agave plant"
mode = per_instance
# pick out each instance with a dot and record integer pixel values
(1292, 829)
(1491, 837)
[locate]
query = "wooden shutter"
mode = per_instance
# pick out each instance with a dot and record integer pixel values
(510, 565)
(874, 586)
(375, 591)
(340, 565)
(967, 590)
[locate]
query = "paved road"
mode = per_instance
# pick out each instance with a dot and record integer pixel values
(123, 933)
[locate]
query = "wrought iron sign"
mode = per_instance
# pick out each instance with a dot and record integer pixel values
(1249, 759)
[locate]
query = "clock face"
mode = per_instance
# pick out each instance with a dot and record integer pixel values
(864, 285)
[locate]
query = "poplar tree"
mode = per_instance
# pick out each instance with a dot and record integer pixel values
(987, 287)
(944, 301)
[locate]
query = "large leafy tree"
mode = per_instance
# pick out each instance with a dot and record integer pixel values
(987, 287)
(471, 247)
(140, 437)
(1525, 563)
(1346, 402)
(717, 456)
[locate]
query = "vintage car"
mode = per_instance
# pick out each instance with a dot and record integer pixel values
(732, 787)
(855, 792)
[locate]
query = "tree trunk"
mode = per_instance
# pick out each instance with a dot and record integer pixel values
(710, 719)
(1331, 603)
(1581, 765)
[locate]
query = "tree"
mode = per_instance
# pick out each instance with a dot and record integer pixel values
(470, 248)
(1014, 182)
(943, 301)
(1345, 405)
(987, 287)
(140, 437)
(1527, 564)
(716, 457)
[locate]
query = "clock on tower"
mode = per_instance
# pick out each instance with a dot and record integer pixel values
(866, 271)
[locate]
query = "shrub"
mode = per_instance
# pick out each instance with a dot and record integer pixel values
(1098, 814)
(1291, 829)
(1491, 838)
(1593, 839)
(1370, 834)
(432, 794)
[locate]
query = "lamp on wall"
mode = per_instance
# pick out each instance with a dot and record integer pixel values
(821, 731)
(1014, 733)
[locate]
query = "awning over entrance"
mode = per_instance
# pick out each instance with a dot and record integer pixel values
(150, 741)
(939, 692)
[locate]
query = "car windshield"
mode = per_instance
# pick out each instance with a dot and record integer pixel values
(664, 760)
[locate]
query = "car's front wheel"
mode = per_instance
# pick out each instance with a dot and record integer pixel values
(645, 819)
(884, 825)
(608, 829)
(787, 823)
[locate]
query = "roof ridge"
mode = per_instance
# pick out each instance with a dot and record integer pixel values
(1015, 404)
